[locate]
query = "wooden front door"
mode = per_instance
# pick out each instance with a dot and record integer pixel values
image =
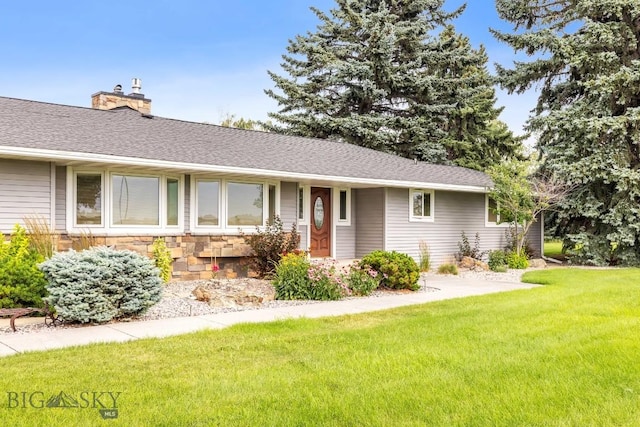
(320, 222)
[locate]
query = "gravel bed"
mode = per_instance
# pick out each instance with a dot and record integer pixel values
(177, 300)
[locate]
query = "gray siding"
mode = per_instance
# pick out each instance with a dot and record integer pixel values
(288, 204)
(303, 230)
(535, 239)
(369, 218)
(25, 189)
(454, 212)
(61, 200)
(346, 234)
(187, 203)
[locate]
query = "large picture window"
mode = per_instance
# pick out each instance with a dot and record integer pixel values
(108, 200)
(245, 204)
(421, 205)
(135, 200)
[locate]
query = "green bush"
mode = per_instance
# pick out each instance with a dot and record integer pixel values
(497, 261)
(295, 277)
(327, 284)
(465, 249)
(291, 280)
(162, 259)
(100, 284)
(397, 270)
(448, 269)
(22, 284)
(517, 261)
(269, 244)
(362, 279)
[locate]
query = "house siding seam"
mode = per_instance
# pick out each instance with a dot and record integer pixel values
(454, 213)
(346, 235)
(369, 217)
(25, 189)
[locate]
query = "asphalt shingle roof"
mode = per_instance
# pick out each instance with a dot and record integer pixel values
(127, 133)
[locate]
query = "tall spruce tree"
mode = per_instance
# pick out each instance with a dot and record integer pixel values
(475, 138)
(376, 74)
(586, 62)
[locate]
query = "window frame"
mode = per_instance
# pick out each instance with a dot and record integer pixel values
(223, 226)
(488, 223)
(432, 204)
(345, 222)
(194, 203)
(303, 214)
(107, 227)
(73, 185)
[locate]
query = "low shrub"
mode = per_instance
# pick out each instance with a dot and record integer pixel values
(448, 269)
(101, 284)
(397, 270)
(291, 280)
(22, 284)
(465, 249)
(162, 259)
(295, 277)
(497, 261)
(362, 279)
(327, 284)
(517, 261)
(269, 244)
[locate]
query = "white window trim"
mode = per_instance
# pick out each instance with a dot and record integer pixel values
(223, 227)
(336, 207)
(488, 223)
(106, 227)
(266, 197)
(306, 195)
(72, 200)
(432, 204)
(193, 204)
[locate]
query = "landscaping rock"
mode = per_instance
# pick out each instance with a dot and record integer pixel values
(471, 264)
(467, 262)
(235, 293)
(537, 263)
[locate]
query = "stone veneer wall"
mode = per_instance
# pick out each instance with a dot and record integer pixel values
(193, 256)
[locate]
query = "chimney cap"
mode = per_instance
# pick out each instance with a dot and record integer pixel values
(136, 85)
(117, 89)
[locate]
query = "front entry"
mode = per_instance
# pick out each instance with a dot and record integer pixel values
(320, 222)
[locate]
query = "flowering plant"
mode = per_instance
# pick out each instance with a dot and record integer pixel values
(215, 269)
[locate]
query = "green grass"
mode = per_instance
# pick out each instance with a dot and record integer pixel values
(553, 249)
(566, 354)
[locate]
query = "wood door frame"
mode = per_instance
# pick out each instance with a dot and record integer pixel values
(327, 226)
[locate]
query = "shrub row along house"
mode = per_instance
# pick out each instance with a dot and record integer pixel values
(124, 176)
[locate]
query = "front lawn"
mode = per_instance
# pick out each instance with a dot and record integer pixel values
(553, 249)
(560, 355)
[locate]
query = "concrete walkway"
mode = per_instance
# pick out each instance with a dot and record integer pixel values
(449, 287)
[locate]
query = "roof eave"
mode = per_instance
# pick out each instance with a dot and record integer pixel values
(68, 156)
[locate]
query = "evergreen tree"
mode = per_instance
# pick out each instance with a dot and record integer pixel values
(475, 137)
(586, 62)
(375, 75)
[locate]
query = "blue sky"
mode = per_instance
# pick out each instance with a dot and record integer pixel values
(198, 60)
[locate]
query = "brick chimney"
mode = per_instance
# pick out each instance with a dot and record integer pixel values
(115, 99)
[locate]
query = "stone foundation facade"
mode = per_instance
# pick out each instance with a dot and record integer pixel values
(193, 256)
